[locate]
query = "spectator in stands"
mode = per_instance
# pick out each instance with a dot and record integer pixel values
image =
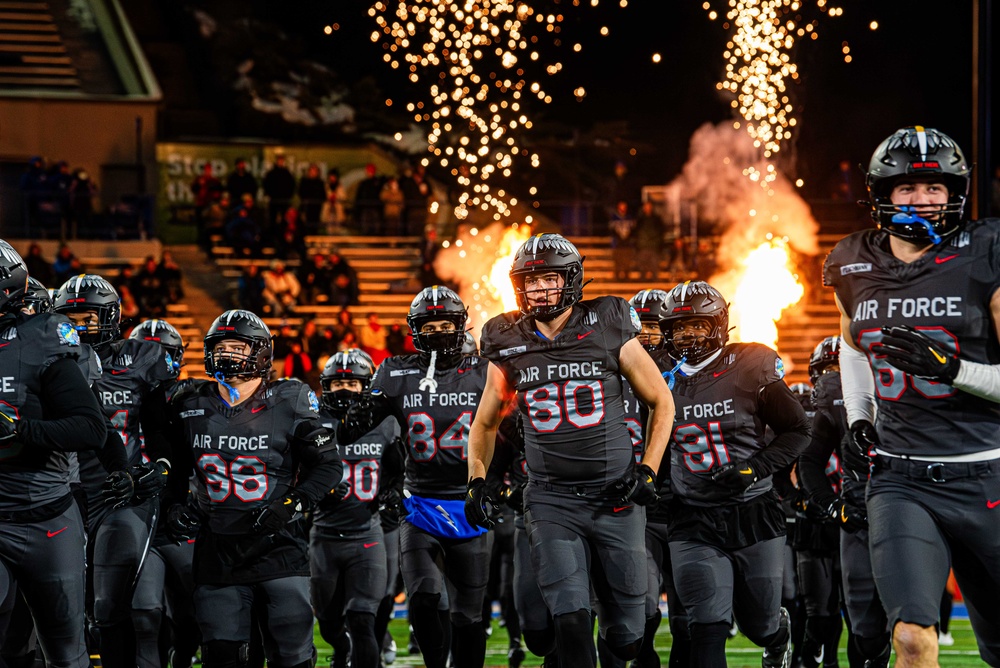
(312, 195)
(214, 219)
(38, 267)
(344, 326)
(315, 281)
(372, 338)
(298, 364)
(82, 191)
(283, 342)
(847, 184)
(129, 306)
(367, 202)
(281, 289)
(173, 279)
(344, 290)
(418, 194)
(649, 241)
(279, 188)
(150, 290)
(622, 227)
(395, 342)
(312, 339)
(125, 277)
(332, 216)
(704, 259)
(205, 189)
(242, 233)
(393, 203)
(349, 341)
(289, 237)
(34, 177)
(241, 182)
(250, 289)
(65, 266)
(59, 178)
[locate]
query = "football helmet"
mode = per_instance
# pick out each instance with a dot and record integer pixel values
(350, 364)
(13, 279)
(826, 355)
(162, 332)
(470, 347)
(918, 151)
(544, 253)
(694, 299)
(242, 326)
(90, 292)
(438, 303)
(648, 304)
(803, 394)
(37, 297)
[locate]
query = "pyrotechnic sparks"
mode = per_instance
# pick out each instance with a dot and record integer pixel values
(473, 56)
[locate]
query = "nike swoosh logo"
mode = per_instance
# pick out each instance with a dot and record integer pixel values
(50, 534)
(618, 509)
(719, 373)
(938, 356)
(746, 471)
(258, 409)
(367, 545)
(583, 336)
(942, 260)
(118, 372)
(843, 515)
(992, 504)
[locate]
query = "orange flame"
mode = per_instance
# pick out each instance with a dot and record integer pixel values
(766, 285)
(498, 282)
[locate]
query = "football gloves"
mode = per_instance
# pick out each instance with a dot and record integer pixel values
(8, 426)
(864, 440)
(182, 523)
(149, 479)
(513, 496)
(915, 353)
(736, 476)
(639, 486)
(481, 509)
(851, 518)
(274, 516)
(390, 505)
(118, 489)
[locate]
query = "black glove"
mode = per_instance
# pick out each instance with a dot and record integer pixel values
(481, 509)
(864, 440)
(182, 523)
(390, 505)
(736, 476)
(8, 426)
(118, 489)
(340, 492)
(850, 517)
(149, 479)
(513, 496)
(274, 516)
(639, 486)
(917, 354)
(360, 419)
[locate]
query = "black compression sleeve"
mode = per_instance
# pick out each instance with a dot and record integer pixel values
(153, 419)
(181, 457)
(320, 468)
(781, 411)
(113, 455)
(812, 461)
(76, 421)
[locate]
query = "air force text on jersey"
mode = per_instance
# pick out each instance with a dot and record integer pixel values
(593, 369)
(205, 441)
(909, 307)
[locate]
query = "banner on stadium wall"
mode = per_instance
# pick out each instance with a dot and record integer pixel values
(178, 164)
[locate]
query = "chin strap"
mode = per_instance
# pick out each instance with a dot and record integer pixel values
(428, 382)
(234, 394)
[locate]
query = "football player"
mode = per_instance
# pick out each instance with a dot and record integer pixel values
(347, 550)
(920, 311)
(433, 396)
(261, 457)
(727, 528)
(46, 412)
(565, 358)
(122, 510)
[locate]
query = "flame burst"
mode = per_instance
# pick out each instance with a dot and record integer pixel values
(498, 283)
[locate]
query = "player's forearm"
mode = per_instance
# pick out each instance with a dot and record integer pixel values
(982, 380)
(659, 426)
(858, 385)
(482, 440)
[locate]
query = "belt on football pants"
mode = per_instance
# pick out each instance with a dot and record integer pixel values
(613, 489)
(936, 471)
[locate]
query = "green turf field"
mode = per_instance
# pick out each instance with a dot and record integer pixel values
(741, 652)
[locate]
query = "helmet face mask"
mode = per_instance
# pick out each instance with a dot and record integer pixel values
(37, 297)
(13, 279)
(91, 294)
(431, 305)
(542, 254)
(352, 364)
(804, 395)
(824, 357)
(918, 154)
(254, 361)
(648, 304)
(690, 300)
(163, 333)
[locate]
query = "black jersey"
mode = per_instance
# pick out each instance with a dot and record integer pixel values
(27, 347)
(435, 421)
(363, 472)
(719, 421)
(569, 390)
(633, 420)
(945, 294)
(821, 469)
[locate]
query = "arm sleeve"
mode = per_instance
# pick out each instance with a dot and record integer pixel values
(76, 422)
(859, 385)
(153, 420)
(181, 457)
(393, 465)
(812, 461)
(781, 411)
(113, 455)
(982, 380)
(320, 468)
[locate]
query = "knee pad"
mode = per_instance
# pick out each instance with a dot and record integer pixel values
(875, 649)
(540, 643)
(424, 603)
(679, 626)
(625, 652)
(225, 654)
(147, 623)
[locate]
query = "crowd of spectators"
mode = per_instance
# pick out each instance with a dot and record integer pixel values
(53, 196)
(322, 279)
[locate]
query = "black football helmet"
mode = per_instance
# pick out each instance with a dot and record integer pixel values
(826, 355)
(350, 364)
(694, 299)
(543, 253)
(918, 151)
(242, 326)
(648, 304)
(90, 292)
(469, 347)
(37, 297)
(804, 395)
(162, 332)
(13, 279)
(438, 303)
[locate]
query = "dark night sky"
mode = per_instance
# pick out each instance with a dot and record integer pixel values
(915, 69)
